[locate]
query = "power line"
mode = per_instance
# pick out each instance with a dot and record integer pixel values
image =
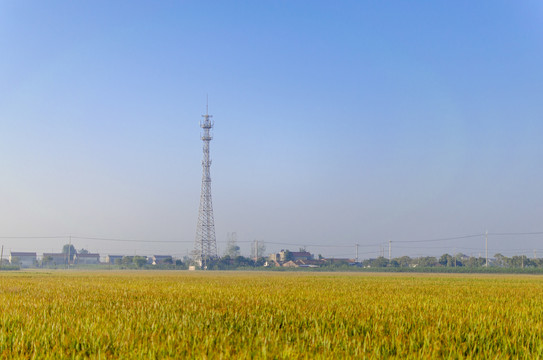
(350, 254)
(440, 239)
(130, 240)
(437, 247)
(34, 237)
(516, 233)
(314, 245)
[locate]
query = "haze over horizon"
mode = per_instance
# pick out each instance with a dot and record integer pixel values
(335, 124)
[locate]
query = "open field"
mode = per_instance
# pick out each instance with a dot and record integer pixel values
(268, 315)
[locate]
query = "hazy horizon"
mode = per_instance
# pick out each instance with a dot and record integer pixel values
(335, 124)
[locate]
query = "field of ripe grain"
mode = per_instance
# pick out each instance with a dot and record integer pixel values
(268, 315)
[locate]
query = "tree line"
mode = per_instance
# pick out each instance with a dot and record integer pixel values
(458, 260)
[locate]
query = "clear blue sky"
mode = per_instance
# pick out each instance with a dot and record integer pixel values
(336, 123)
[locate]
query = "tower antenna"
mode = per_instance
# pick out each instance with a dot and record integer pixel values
(205, 244)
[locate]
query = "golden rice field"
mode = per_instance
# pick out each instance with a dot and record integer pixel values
(222, 315)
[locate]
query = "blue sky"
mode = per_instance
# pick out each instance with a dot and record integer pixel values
(358, 122)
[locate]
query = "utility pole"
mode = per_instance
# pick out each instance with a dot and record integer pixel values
(69, 251)
(2, 256)
(356, 245)
(389, 250)
(486, 247)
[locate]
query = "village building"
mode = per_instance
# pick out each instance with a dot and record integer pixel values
(23, 259)
(112, 259)
(160, 259)
(340, 261)
(301, 255)
(286, 255)
(310, 263)
(290, 263)
(271, 262)
(55, 259)
(87, 259)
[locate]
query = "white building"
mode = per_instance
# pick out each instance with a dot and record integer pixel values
(23, 259)
(87, 258)
(111, 259)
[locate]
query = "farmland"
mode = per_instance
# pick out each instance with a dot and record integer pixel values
(156, 314)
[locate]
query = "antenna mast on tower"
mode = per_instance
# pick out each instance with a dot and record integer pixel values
(205, 244)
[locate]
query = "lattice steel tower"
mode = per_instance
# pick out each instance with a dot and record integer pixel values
(205, 245)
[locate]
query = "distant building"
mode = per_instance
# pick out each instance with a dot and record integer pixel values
(111, 259)
(55, 259)
(87, 259)
(160, 259)
(301, 255)
(340, 261)
(271, 262)
(292, 255)
(310, 263)
(275, 258)
(128, 259)
(290, 263)
(23, 259)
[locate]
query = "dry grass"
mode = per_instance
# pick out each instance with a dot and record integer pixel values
(268, 315)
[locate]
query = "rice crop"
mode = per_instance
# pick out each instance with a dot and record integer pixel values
(222, 315)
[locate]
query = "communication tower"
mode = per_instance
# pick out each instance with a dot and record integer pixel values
(205, 245)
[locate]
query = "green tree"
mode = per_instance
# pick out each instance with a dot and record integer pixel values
(140, 261)
(501, 260)
(520, 261)
(69, 249)
(15, 260)
(404, 261)
(427, 261)
(474, 261)
(260, 261)
(458, 259)
(394, 263)
(446, 260)
(241, 261)
(232, 248)
(47, 260)
(288, 255)
(379, 262)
